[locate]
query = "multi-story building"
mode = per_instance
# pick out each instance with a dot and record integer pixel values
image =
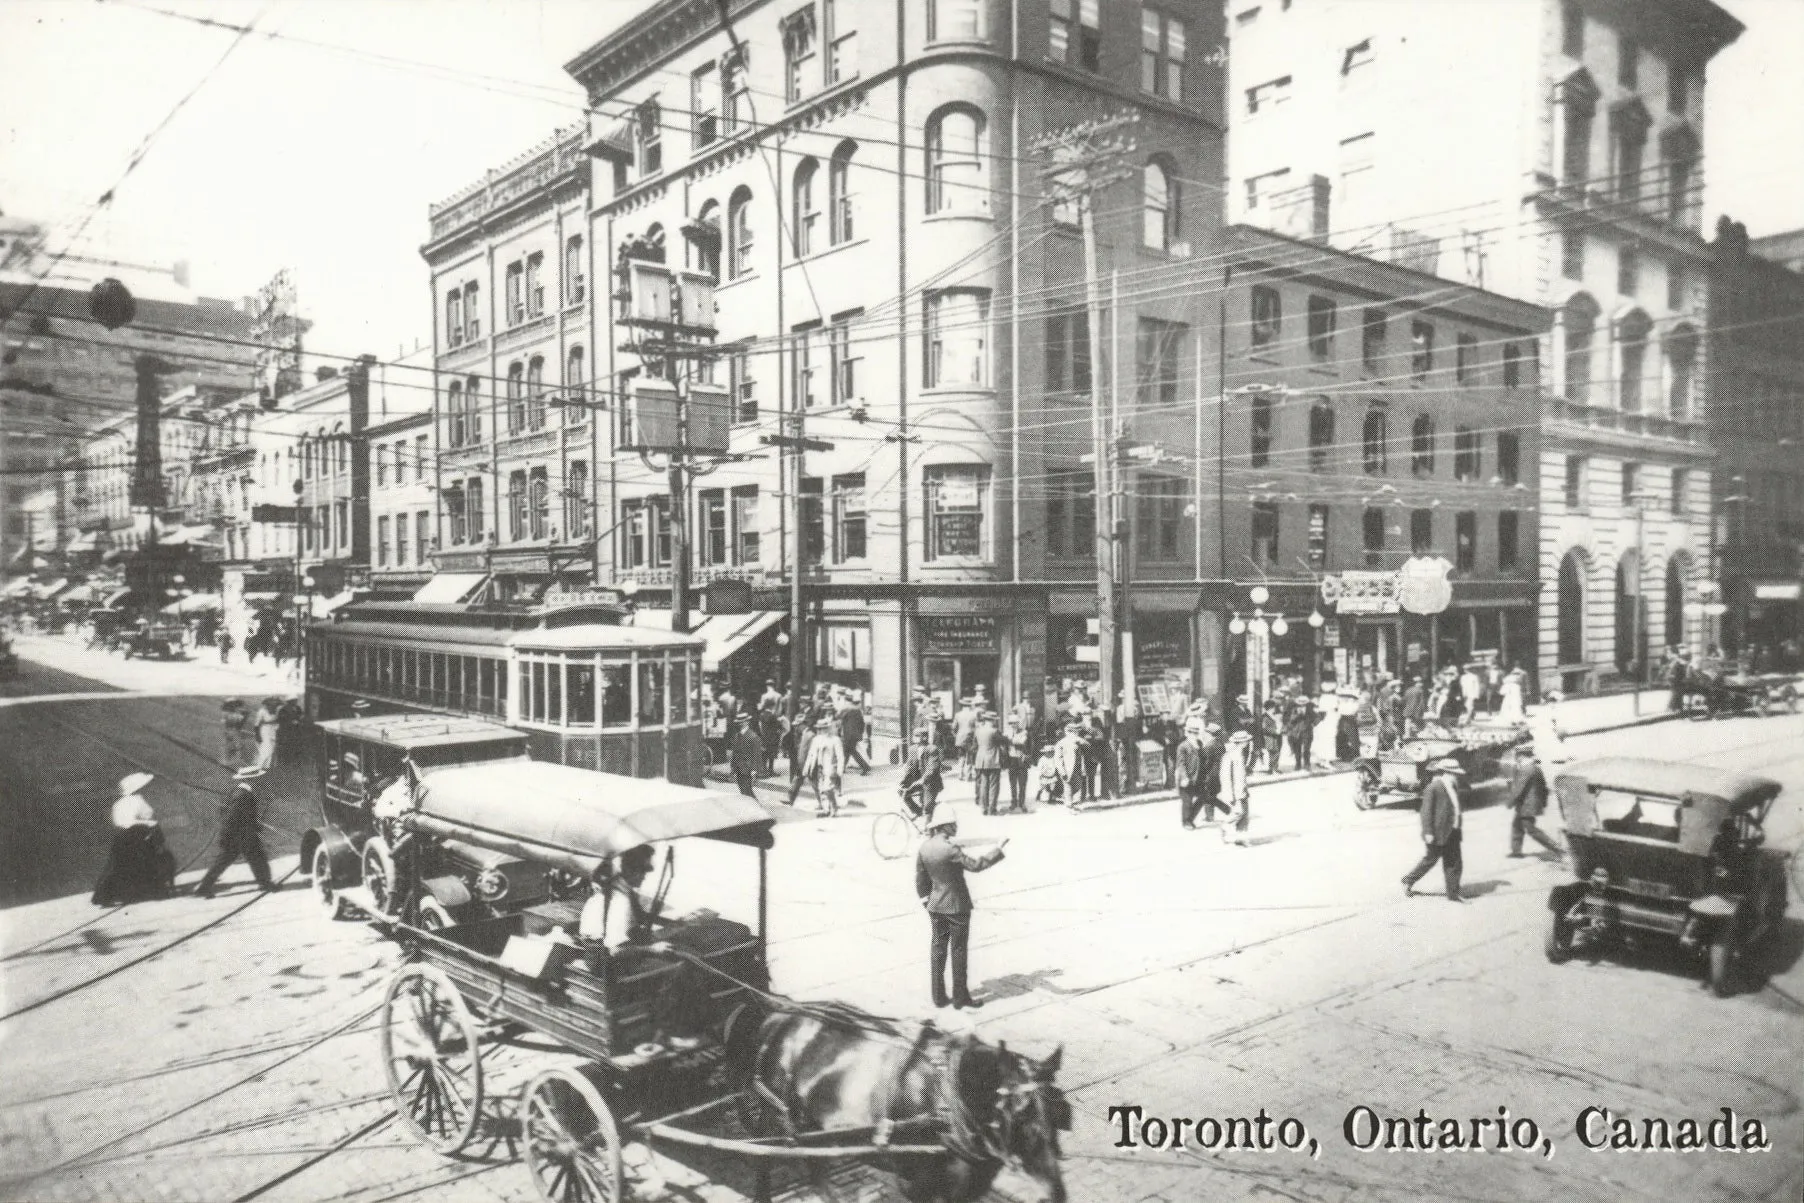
(894, 280)
(514, 341)
(1757, 427)
(1563, 166)
(1375, 414)
(74, 375)
(403, 519)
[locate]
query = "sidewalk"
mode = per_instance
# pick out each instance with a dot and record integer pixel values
(200, 673)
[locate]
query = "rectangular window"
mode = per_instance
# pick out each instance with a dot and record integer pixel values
(1631, 480)
(1421, 532)
(704, 105)
(1267, 315)
(1075, 34)
(1321, 329)
(516, 293)
(382, 460)
(957, 339)
(733, 92)
(576, 500)
(955, 20)
(1509, 539)
(472, 312)
(809, 388)
(1512, 365)
(342, 512)
(1318, 536)
(1465, 541)
(1628, 270)
(1071, 514)
(1159, 518)
(746, 549)
(421, 458)
(454, 317)
(745, 388)
(1265, 532)
(842, 45)
(1371, 342)
(1628, 62)
(957, 511)
(1465, 360)
(1572, 255)
(422, 535)
(1068, 352)
(1467, 454)
(798, 53)
(1263, 189)
(1681, 481)
(535, 284)
(711, 517)
(1262, 98)
(1372, 528)
(400, 540)
(813, 520)
(473, 490)
(1421, 349)
(516, 506)
(1158, 354)
(1161, 55)
(845, 360)
(1575, 481)
(648, 138)
(848, 518)
(1260, 449)
(1572, 29)
(455, 515)
(1509, 457)
(382, 543)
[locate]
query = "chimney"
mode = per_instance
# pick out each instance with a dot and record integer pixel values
(180, 271)
(325, 373)
(1303, 212)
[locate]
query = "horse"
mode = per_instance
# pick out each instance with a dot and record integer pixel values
(830, 1067)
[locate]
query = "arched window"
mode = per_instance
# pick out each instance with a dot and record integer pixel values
(1572, 609)
(739, 233)
(1675, 602)
(472, 312)
(576, 397)
(805, 216)
(1579, 325)
(1681, 368)
(1421, 446)
(704, 241)
(839, 194)
(1321, 434)
(1632, 334)
(651, 247)
(955, 168)
(1159, 207)
(1467, 454)
(1375, 442)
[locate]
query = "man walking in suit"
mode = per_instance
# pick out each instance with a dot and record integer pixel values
(1190, 776)
(1441, 822)
(924, 771)
(986, 762)
(1211, 776)
(940, 870)
(238, 835)
(850, 721)
(1528, 799)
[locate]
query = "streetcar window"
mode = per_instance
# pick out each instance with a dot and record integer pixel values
(651, 693)
(554, 692)
(616, 695)
(485, 686)
(501, 689)
(580, 685)
(679, 689)
(441, 677)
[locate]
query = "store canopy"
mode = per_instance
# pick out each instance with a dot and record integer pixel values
(49, 590)
(188, 536)
(78, 595)
(727, 634)
(19, 588)
(114, 598)
(198, 603)
(324, 607)
(450, 588)
(89, 541)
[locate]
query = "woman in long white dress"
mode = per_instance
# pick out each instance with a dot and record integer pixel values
(1509, 708)
(1544, 726)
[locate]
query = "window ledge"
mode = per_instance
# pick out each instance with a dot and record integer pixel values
(984, 215)
(735, 282)
(1317, 369)
(978, 41)
(957, 562)
(1260, 356)
(825, 251)
(966, 390)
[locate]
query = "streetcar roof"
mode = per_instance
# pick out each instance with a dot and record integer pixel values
(419, 730)
(592, 637)
(572, 817)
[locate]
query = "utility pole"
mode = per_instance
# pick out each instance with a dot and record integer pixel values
(794, 447)
(1085, 159)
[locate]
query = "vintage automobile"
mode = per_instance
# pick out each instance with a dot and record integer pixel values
(1400, 774)
(1668, 851)
(159, 638)
(1713, 692)
(352, 853)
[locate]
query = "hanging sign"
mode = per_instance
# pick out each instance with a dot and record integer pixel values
(1422, 585)
(1361, 592)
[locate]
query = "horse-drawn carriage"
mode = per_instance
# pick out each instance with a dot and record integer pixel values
(628, 1012)
(1400, 774)
(1716, 690)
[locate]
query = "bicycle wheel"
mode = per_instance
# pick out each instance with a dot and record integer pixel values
(891, 835)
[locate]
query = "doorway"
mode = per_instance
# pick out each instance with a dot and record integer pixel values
(951, 678)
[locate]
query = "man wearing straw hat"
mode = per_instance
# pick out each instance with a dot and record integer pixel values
(940, 870)
(1236, 763)
(1441, 822)
(238, 835)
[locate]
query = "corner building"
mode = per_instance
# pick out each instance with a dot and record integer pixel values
(894, 280)
(1551, 152)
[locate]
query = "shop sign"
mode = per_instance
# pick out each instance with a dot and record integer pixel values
(953, 634)
(957, 492)
(1779, 591)
(958, 534)
(1423, 586)
(1362, 592)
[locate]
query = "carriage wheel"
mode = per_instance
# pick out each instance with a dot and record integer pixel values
(890, 835)
(432, 1057)
(328, 896)
(379, 876)
(1365, 795)
(572, 1143)
(434, 916)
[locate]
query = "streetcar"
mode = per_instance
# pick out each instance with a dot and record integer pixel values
(585, 689)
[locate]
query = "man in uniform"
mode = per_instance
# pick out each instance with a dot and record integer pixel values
(940, 870)
(1441, 822)
(238, 835)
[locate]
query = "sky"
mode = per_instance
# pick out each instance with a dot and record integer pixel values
(324, 158)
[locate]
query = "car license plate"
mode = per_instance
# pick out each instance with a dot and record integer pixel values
(1657, 889)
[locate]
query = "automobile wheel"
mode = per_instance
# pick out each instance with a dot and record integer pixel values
(1559, 938)
(1722, 966)
(1365, 789)
(434, 916)
(329, 898)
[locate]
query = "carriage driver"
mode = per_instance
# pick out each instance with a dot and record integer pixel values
(616, 913)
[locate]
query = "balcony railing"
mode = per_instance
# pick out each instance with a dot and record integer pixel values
(1645, 193)
(1650, 425)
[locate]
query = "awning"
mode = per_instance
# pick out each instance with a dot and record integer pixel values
(192, 536)
(199, 603)
(47, 591)
(727, 634)
(85, 542)
(114, 598)
(1775, 590)
(19, 588)
(77, 595)
(450, 588)
(324, 607)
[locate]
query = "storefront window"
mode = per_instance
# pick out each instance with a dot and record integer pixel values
(616, 695)
(651, 693)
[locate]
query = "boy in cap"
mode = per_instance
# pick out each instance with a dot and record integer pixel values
(238, 835)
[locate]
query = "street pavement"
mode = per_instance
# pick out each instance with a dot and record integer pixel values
(1181, 975)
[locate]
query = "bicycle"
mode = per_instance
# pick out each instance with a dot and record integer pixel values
(894, 832)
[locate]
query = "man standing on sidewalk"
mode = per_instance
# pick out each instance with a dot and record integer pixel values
(986, 762)
(1441, 821)
(1127, 742)
(239, 836)
(1016, 754)
(1528, 799)
(1236, 764)
(940, 870)
(1212, 749)
(1190, 776)
(747, 753)
(1415, 706)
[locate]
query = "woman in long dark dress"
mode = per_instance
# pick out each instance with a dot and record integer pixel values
(139, 864)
